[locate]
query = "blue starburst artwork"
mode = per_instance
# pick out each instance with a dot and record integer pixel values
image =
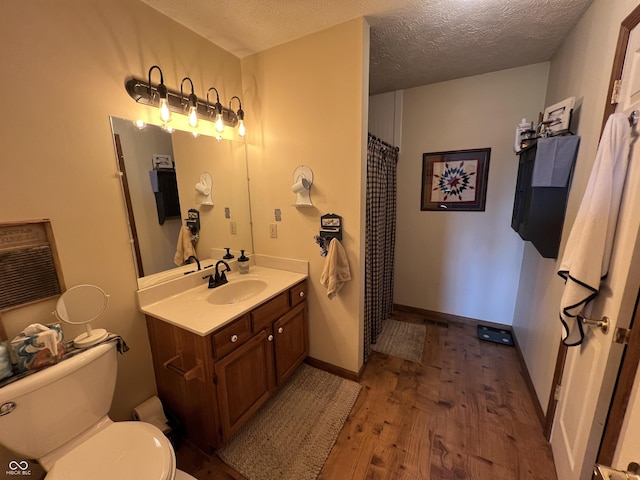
(455, 180)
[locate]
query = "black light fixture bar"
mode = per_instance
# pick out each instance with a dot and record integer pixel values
(142, 93)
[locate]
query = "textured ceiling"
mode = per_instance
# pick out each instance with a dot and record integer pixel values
(413, 42)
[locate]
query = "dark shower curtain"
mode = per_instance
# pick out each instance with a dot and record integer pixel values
(380, 237)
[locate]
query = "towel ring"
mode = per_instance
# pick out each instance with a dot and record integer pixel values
(633, 118)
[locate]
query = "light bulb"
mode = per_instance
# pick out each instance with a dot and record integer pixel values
(219, 124)
(165, 113)
(193, 116)
(241, 131)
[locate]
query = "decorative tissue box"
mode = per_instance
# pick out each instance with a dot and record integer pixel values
(38, 346)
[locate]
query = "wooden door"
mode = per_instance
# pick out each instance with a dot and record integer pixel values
(245, 379)
(591, 369)
(291, 341)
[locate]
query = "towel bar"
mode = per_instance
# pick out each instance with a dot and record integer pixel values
(601, 324)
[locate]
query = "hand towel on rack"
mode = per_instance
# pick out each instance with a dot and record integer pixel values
(588, 251)
(554, 158)
(336, 268)
(184, 249)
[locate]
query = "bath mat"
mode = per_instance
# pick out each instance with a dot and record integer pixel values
(401, 339)
(290, 437)
(496, 335)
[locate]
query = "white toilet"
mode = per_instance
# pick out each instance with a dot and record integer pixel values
(59, 417)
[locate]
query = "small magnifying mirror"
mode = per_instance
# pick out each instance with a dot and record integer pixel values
(80, 305)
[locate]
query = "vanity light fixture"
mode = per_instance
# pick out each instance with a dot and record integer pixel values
(191, 104)
(240, 113)
(168, 101)
(217, 109)
(163, 94)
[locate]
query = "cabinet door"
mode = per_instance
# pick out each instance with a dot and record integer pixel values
(183, 377)
(291, 341)
(245, 379)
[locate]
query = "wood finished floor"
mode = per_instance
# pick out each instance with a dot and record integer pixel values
(464, 413)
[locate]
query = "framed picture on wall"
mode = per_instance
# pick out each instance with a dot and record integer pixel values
(455, 180)
(558, 116)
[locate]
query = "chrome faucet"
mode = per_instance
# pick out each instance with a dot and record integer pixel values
(219, 278)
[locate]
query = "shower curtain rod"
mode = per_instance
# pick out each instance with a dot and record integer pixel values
(383, 142)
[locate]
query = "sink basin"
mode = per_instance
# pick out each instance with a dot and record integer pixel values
(236, 292)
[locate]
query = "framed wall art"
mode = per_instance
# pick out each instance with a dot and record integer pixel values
(455, 180)
(558, 116)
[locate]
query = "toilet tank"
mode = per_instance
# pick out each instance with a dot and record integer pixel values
(57, 403)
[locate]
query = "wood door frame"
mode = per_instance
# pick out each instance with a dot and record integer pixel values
(129, 204)
(631, 357)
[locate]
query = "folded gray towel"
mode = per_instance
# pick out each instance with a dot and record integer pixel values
(554, 159)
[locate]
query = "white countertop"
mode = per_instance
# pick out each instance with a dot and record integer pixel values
(186, 306)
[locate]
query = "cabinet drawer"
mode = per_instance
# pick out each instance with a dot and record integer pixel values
(264, 315)
(231, 336)
(297, 293)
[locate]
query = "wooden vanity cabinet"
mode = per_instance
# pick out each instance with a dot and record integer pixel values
(245, 380)
(184, 380)
(291, 342)
(214, 384)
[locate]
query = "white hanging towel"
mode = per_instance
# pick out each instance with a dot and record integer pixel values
(336, 268)
(588, 251)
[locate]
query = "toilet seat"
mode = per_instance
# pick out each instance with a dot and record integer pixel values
(123, 450)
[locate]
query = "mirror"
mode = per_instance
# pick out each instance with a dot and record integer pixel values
(224, 214)
(80, 305)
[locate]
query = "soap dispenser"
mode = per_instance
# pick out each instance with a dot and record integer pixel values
(243, 263)
(228, 255)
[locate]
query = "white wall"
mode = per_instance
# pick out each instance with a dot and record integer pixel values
(580, 68)
(385, 116)
(464, 263)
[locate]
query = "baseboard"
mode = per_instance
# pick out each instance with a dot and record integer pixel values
(527, 378)
(447, 317)
(339, 371)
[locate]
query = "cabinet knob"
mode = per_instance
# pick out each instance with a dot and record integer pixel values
(301, 294)
(234, 338)
(280, 330)
(270, 338)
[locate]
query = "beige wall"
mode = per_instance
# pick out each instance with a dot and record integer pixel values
(63, 69)
(580, 68)
(305, 106)
(226, 162)
(464, 263)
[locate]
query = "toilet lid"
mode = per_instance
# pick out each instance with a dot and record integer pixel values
(123, 450)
